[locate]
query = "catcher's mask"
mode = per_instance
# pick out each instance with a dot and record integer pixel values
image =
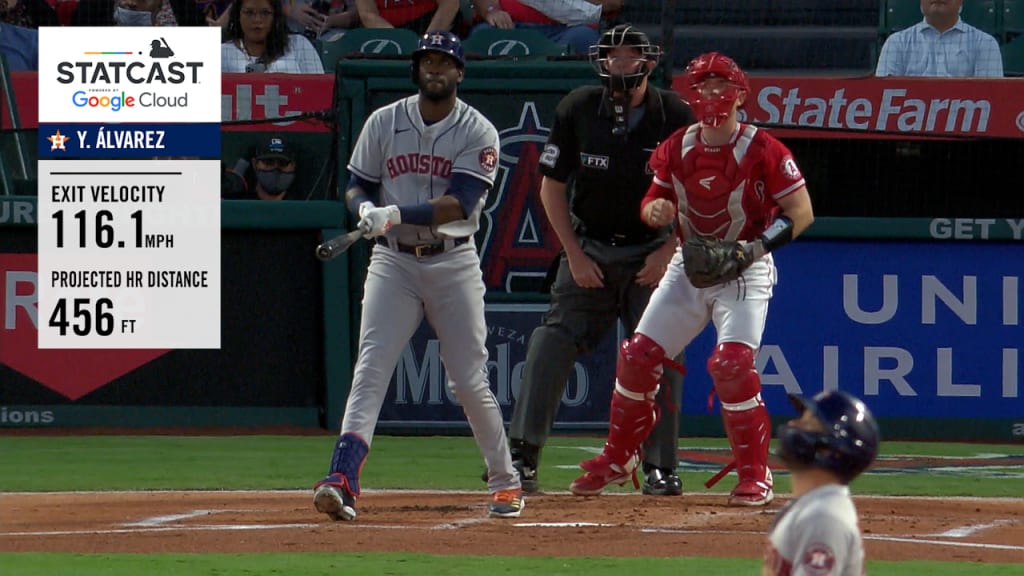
(621, 74)
(847, 445)
(440, 41)
(714, 83)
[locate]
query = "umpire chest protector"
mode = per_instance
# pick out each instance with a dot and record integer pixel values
(612, 171)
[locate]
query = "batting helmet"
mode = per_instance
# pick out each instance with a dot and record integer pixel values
(623, 35)
(848, 444)
(713, 109)
(439, 41)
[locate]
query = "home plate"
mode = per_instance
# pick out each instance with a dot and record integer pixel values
(562, 525)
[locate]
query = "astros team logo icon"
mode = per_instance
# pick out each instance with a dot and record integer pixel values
(489, 159)
(57, 141)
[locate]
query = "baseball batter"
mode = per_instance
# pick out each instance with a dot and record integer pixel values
(729, 182)
(429, 159)
(831, 443)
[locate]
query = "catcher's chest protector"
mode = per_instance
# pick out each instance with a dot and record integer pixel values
(718, 194)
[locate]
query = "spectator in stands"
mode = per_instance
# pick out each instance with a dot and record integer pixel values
(28, 13)
(571, 22)
(259, 42)
(216, 12)
(941, 45)
(416, 15)
(304, 16)
(274, 166)
(20, 46)
(138, 13)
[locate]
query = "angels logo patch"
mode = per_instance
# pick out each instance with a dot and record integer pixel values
(789, 168)
(489, 159)
(819, 560)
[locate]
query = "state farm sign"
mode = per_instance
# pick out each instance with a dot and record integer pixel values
(892, 110)
(842, 107)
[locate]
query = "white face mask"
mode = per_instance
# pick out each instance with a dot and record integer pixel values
(126, 17)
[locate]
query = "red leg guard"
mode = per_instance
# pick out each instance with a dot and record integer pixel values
(632, 417)
(639, 365)
(746, 421)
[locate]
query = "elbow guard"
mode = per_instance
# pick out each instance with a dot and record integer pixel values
(778, 234)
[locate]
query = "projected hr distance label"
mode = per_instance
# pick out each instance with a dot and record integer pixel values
(129, 254)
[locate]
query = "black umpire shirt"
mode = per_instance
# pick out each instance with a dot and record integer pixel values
(611, 172)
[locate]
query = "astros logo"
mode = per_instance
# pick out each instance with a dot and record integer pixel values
(57, 141)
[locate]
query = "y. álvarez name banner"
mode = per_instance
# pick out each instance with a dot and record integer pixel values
(902, 107)
(243, 98)
(129, 188)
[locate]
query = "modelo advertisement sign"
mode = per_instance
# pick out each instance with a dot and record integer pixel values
(917, 329)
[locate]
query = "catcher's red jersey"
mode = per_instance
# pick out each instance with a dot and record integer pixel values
(729, 192)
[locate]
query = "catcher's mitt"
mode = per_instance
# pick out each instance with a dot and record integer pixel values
(709, 261)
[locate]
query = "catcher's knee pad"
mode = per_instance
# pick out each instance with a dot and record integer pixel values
(349, 455)
(732, 370)
(639, 368)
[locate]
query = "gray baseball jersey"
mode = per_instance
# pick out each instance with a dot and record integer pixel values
(816, 535)
(414, 163)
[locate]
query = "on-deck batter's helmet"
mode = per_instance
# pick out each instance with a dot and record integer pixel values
(714, 109)
(623, 35)
(439, 41)
(847, 446)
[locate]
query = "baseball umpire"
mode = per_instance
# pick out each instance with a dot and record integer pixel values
(834, 439)
(602, 136)
(738, 196)
(428, 160)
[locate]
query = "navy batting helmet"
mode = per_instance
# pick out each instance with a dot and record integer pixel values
(438, 41)
(848, 444)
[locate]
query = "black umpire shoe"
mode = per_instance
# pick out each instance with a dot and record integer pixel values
(524, 460)
(662, 482)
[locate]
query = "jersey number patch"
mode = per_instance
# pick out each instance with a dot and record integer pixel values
(549, 156)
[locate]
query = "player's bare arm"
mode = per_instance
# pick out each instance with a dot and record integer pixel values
(585, 271)
(445, 15)
(369, 16)
(797, 207)
(446, 209)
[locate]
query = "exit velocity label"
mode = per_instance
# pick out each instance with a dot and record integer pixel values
(129, 254)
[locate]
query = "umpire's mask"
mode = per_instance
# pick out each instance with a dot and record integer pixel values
(623, 70)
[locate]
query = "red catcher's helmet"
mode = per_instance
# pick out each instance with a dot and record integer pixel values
(714, 108)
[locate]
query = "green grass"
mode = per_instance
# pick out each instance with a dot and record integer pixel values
(296, 462)
(30, 463)
(446, 565)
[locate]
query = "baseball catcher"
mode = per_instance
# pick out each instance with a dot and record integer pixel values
(737, 196)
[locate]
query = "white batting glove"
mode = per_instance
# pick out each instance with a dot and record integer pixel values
(379, 220)
(364, 206)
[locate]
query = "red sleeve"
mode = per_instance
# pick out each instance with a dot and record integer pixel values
(782, 176)
(661, 164)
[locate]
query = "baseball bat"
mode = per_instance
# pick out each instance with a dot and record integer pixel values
(338, 245)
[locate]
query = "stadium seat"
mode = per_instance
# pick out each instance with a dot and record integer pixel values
(1013, 19)
(497, 43)
(983, 15)
(1013, 57)
(379, 42)
(898, 14)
